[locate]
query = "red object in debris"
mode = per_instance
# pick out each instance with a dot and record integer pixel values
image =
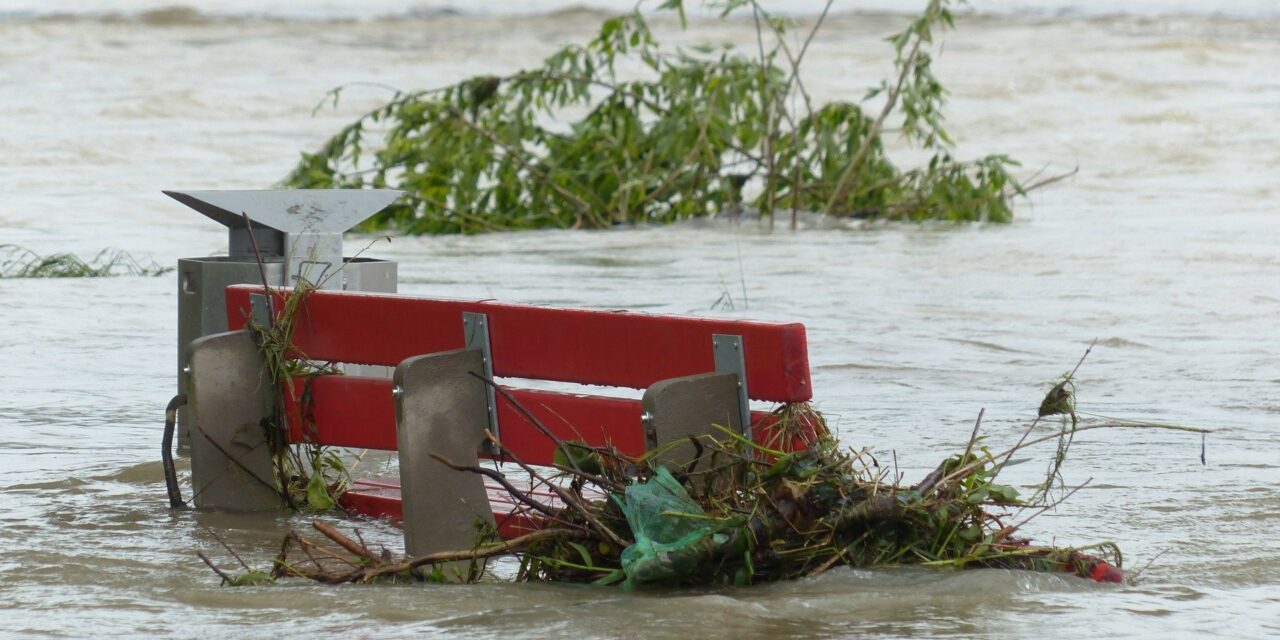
(1104, 571)
(380, 498)
(375, 498)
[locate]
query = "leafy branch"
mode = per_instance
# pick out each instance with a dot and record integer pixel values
(695, 132)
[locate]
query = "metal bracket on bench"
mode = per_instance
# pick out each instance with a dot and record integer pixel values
(730, 358)
(260, 310)
(475, 330)
(230, 399)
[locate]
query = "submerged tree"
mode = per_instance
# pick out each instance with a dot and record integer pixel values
(700, 132)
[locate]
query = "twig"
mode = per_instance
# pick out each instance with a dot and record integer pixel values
(343, 541)
(826, 566)
(973, 437)
(1008, 530)
(307, 545)
(564, 496)
(520, 156)
(229, 549)
(847, 179)
(506, 395)
(1133, 576)
(1081, 360)
(968, 468)
(226, 579)
(501, 479)
(589, 477)
(279, 565)
(1048, 181)
(766, 104)
(487, 551)
(697, 456)
(262, 267)
(1035, 422)
(794, 79)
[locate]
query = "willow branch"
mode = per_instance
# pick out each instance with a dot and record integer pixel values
(848, 178)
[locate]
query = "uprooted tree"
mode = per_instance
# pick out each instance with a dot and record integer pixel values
(666, 135)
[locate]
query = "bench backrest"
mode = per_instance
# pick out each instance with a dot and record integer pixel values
(609, 348)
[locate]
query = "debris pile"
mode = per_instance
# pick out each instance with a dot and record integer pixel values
(741, 513)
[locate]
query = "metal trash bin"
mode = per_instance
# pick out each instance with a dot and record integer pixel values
(298, 234)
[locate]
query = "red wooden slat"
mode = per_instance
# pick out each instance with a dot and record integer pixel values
(342, 411)
(376, 499)
(621, 349)
(595, 420)
(359, 412)
(373, 501)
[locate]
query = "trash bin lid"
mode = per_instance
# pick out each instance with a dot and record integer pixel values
(290, 210)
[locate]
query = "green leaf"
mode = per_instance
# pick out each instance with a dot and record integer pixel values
(579, 456)
(582, 552)
(678, 5)
(318, 498)
(1003, 494)
(613, 577)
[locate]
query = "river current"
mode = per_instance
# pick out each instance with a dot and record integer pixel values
(1165, 247)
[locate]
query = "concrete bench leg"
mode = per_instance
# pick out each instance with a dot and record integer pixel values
(677, 408)
(441, 409)
(230, 399)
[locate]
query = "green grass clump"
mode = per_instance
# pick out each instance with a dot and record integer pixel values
(20, 262)
(309, 477)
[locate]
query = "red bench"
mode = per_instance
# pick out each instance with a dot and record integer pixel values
(670, 356)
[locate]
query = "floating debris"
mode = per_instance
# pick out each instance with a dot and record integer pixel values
(741, 513)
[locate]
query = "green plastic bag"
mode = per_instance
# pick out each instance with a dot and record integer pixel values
(672, 534)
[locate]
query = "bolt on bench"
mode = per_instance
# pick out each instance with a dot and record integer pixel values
(696, 372)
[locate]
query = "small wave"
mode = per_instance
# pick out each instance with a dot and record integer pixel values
(148, 473)
(69, 485)
(181, 15)
(1121, 343)
(168, 16)
(164, 15)
(864, 366)
(171, 16)
(989, 346)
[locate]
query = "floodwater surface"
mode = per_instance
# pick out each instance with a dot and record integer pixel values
(1165, 248)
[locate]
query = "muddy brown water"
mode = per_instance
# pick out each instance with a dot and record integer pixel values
(1165, 247)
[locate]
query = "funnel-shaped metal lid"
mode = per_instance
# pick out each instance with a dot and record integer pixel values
(290, 210)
